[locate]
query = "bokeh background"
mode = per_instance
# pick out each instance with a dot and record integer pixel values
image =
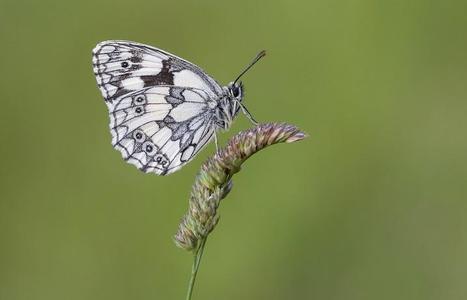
(371, 206)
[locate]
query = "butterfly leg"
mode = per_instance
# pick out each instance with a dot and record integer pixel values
(247, 113)
(215, 140)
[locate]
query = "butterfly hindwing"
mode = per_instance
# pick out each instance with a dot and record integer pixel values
(159, 104)
(160, 129)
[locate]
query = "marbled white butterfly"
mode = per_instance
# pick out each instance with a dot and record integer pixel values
(163, 109)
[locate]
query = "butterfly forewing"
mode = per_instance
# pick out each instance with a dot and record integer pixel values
(159, 104)
(122, 66)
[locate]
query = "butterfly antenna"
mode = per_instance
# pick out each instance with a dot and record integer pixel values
(260, 55)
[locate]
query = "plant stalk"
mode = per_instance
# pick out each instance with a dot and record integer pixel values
(194, 269)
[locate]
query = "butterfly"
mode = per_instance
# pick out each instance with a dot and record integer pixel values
(163, 109)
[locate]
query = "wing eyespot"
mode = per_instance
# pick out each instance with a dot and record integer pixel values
(139, 136)
(139, 99)
(161, 159)
(139, 110)
(150, 148)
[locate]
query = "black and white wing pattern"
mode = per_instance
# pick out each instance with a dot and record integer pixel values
(160, 105)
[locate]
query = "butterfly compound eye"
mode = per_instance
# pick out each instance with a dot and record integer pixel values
(236, 91)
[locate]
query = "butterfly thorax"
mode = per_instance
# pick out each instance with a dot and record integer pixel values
(229, 105)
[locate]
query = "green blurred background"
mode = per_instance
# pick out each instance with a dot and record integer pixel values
(371, 206)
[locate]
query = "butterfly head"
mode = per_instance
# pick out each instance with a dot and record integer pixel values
(235, 90)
